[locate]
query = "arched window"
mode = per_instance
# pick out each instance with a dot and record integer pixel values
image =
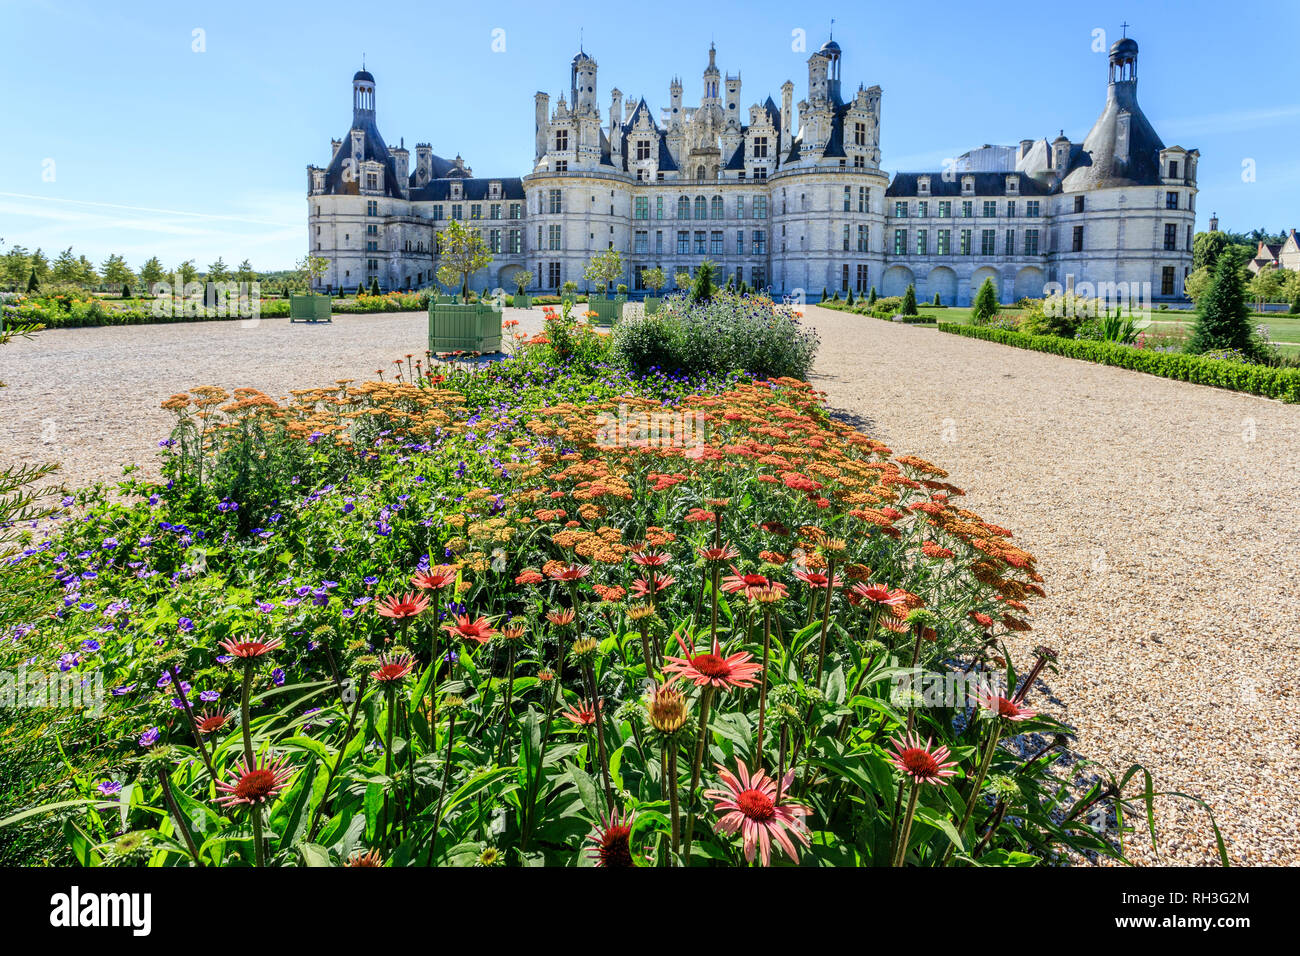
(684, 208)
(715, 208)
(701, 208)
(699, 172)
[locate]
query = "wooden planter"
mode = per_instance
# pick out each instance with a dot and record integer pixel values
(310, 308)
(652, 304)
(520, 301)
(464, 328)
(608, 311)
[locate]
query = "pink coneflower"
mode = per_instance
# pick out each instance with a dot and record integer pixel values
(1008, 708)
(366, 858)
(611, 843)
(479, 629)
(918, 761)
(250, 648)
(712, 669)
(257, 785)
(434, 580)
(652, 585)
(753, 810)
(875, 594)
(815, 579)
(394, 669)
(725, 552)
(744, 583)
(403, 608)
(209, 722)
(570, 572)
(650, 558)
(582, 714)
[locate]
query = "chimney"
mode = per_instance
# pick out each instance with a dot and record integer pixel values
(542, 107)
(402, 160)
(423, 163)
(1025, 146)
(787, 97)
(335, 146)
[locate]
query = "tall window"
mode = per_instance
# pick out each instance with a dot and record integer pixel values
(1078, 204)
(372, 208)
(965, 242)
(715, 207)
(494, 211)
(715, 242)
(1031, 207)
(988, 242)
(641, 208)
(844, 278)
(945, 208)
(555, 201)
(844, 242)
(1078, 237)
(862, 278)
(683, 207)
(1171, 200)
(553, 237)
(516, 241)
(900, 242)
(561, 140)
(859, 134)
(1010, 249)
(945, 242)
(683, 243)
(864, 199)
(760, 242)
(760, 207)
(494, 240)
(659, 207)
(990, 208)
(967, 208)
(760, 147)
(848, 198)
(1171, 237)
(1167, 280)
(641, 242)
(1011, 207)
(642, 149)
(553, 275)
(740, 207)
(864, 237)
(922, 242)
(900, 210)
(740, 242)
(1031, 242)
(701, 208)
(701, 242)
(923, 208)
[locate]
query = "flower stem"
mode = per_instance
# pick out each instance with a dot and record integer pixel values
(194, 726)
(900, 852)
(176, 814)
(762, 688)
(245, 712)
(705, 700)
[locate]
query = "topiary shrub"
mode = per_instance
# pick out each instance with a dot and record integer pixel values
(985, 305)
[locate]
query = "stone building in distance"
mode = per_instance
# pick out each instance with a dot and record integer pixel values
(787, 197)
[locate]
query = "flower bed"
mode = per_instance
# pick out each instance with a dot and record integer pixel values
(538, 613)
(1279, 383)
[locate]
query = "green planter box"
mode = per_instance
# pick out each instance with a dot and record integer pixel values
(464, 328)
(608, 311)
(652, 304)
(310, 308)
(520, 301)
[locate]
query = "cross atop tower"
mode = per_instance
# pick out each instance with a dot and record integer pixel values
(1124, 28)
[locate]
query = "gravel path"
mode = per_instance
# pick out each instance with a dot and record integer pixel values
(1163, 515)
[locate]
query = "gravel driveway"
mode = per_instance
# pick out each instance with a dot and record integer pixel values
(1165, 516)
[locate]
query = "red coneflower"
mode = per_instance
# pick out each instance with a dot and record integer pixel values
(582, 714)
(393, 669)
(209, 722)
(570, 572)
(258, 784)
(917, 761)
(403, 608)
(1007, 708)
(753, 810)
(816, 579)
(434, 580)
(248, 647)
(735, 581)
(478, 629)
(712, 669)
(611, 843)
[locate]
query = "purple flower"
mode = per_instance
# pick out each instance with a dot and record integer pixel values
(90, 646)
(210, 696)
(69, 661)
(123, 690)
(277, 677)
(109, 787)
(149, 737)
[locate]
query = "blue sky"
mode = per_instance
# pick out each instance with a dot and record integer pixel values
(121, 137)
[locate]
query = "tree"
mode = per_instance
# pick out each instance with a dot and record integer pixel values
(116, 271)
(463, 253)
(1222, 319)
(682, 280)
(152, 272)
(848, 299)
(703, 289)
(218, 271)
(187, 272)
(871, 296)
(985, 305)
(936, 299)
(1266, 286)
(66, 268)
(40, 265)
(86, 273)
(15, 266)
(523, 278)
(374, 285)
(245, 272)
(909, 301)
(604, 268)
(654, 280)
(309, 270)
(33, 284)
(1207, 247)
(1194, 285)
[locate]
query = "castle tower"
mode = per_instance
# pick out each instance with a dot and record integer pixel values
(675, 102)
(732, 86)
(615, 120)
(1124, 61)
(712, 78)
(583, 84)
(363, 99)
(818, 78)
(787, 111)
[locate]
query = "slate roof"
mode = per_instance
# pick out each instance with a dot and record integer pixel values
(472, 190)
(986, 184)
(1093, 164)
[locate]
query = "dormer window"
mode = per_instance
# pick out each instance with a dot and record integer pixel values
(494, 190)
(642, 150)
(968, 184)
(760, 147)
(1013, 184)
(561, 140)
(456, 191)
(923, 185)
(1173, 169)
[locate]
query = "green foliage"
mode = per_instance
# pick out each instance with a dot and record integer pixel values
(703, 289)
(654, 279)
(1279, 383)
(909, 301)
(729, 333)
(604, 268)
(464, 252)
(1222, 318)
(985, 306)
(522, 280)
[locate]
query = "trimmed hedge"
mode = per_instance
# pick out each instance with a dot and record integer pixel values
(1279, 383)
